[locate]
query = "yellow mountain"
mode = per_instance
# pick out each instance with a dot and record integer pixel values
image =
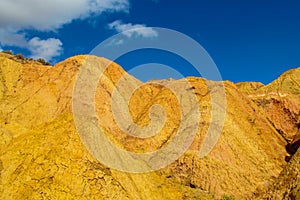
(45, 154)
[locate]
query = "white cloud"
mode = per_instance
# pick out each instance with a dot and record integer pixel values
(46, 49)
(133, 29)
(17, 16)
(116, 42)
(11, 38)
(52, 14)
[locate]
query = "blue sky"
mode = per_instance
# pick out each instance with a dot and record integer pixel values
(248, 40)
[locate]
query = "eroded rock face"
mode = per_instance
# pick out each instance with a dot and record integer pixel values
(43, 156)
(283, 113)
(281, 102)
(287, 185)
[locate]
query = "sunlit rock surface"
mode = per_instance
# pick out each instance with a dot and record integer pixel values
(42, 155)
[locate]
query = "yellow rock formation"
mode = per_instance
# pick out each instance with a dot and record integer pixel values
(43, 156)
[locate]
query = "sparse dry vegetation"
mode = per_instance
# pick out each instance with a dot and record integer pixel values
(43, 61)
(20, 56)
(7, 52)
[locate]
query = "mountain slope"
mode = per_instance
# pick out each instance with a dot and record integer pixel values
(42, 155)
(287, 185)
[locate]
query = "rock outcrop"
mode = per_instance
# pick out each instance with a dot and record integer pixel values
(281, 102)
(287, 185)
